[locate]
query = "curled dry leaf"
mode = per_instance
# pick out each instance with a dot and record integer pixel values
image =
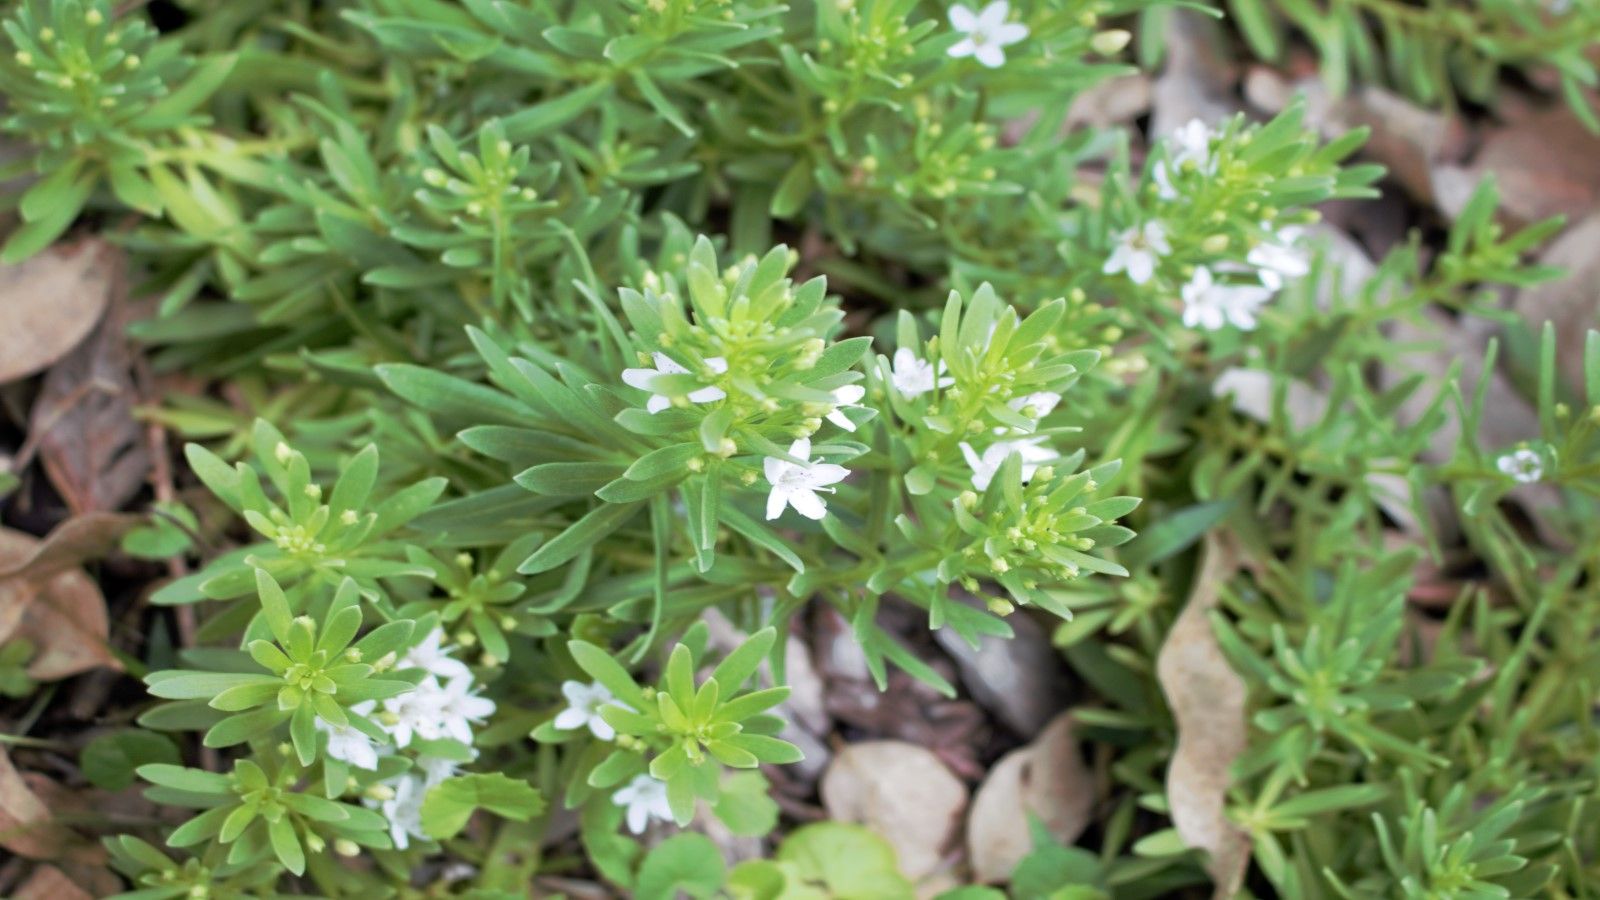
(47, 598)
(1208, 701)
(90, 444)
(902, 792)
(26, 826)
(1046, 779)
(50, 302)
(50, 883)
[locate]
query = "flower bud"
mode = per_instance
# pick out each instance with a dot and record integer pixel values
(353, 655)
(349, 517)
(1214, 244)
(380, 792)
(1001, 607)
(282, 453)
(1110, 43)
(346, 847)
(93, 17)
(315, 842)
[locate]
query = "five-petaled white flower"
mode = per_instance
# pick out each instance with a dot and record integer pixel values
(914, 376)
(1032, 450)
(413, 714)
(583, 709)
(459, 709)
(1211, 305)
(434, 658)
(1524, 465)
(645, 798)
(1189, 145)
(404, 808)
(643, 379)
(1280, 259)
(844, 397)
(349, 743)
(1138, 251)
(797, 485)
(987, 32)
(1036, 405)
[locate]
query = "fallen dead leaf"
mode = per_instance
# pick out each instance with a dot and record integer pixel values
(26, 827)
(50, 883)
(1045, 779)
(1570, 303)
(82, 423)
(49, 303)
(47, 598)
(1208, 701)
(1199, 77)
(1020, 679)
(1546, 165)
(902, 792)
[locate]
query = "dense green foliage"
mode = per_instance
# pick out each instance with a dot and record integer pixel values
(536, 258)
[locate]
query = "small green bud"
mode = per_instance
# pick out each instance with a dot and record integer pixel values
(507, 623)
(380, 792)
(1214, 244)
(1001, 607)
(283, 453)
(24, 58)
(93, 18)
(353, 655)
(315, 842)
(1110, 43)
(727, 448)
(314, 491)
(346, 847)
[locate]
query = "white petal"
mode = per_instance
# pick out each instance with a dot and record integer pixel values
(838, 418)
(707, 395)
(774, 468)
(1010, 33)
(849, 394)
(808, 504)
(991, 55)
(602, 729)
(828, 473)
(638, 818)
(570, 719)
(994, 15)
(656, 404)
(801, 449)
(639, 378)
(667, 364)
(1141, 267)
(963, 47)
(717, 364)
(776, 501)
(963, 18)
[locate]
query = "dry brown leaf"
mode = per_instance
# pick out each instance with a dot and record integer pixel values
(1199, 77)
(82, 423)
(26, 827)
(1570, 303)
(1208, 701)
(50, 883)
(1046, 779)
(46, 598)
(1020, 679)
(902, 792)
(49, 303)
(1546, 165)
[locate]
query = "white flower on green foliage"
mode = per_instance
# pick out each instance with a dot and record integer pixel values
(644, 798)
(1036, 405)
(914, 376)
(435, 710)
(1522, 465)
(404, 808)
(644, 380)
(1138, 251)
(1213, 305)
(1033, 451)
(433, 657)
(987, 32)
(845, 397)
(1280, 258)
(1189, 145)
(583, 709)
(797, 485)
(349, 743)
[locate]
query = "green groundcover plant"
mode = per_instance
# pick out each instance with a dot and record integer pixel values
(566, 322)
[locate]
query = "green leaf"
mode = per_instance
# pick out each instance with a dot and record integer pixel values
(1174, 532)
(604, 668)
(110, 760)
(682, 864)
(745, 804)
(848, 860)
(451, 803)
(582, 534)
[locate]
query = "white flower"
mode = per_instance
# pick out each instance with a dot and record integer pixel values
(583, 709)
(645, 798)
(414, 714)
(666, 365)
(1037, 404)
(798, 485)
(1137, 252)
(1190, 144)
(913, 376)
(1032, 450)
(460, 709)
(1210, 305)
(436, 769)
(1280, 259)
(1522, 465)
(404, 809)
(846, 396)
(432, 657)
(349, 743)
(987, 32)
